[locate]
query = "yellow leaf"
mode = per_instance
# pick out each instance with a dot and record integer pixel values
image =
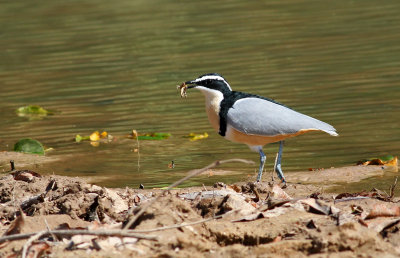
(195, 136)
(95, 144)
(95, 136)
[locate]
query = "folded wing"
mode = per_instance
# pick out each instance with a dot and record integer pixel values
(259, 116)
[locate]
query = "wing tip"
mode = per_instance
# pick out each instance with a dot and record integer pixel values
(333, 133)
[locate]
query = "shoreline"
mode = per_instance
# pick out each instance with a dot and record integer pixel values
(211, 221)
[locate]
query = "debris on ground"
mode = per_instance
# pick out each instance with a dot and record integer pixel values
(63, 216)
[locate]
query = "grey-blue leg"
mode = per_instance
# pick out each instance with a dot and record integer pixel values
(278, 167)
(262, 162)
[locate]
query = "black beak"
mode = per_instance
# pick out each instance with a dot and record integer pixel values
(191, 84)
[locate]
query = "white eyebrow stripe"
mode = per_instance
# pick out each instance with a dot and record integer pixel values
(213, 77)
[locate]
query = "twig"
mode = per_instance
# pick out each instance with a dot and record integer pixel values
(28, 243)
(191, 174)
(392, 187)
(48, 229)
(355, 198)
(77, 232)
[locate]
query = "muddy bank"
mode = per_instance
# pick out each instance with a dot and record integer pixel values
(243, 219)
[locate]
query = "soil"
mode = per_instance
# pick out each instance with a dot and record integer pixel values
(244, 219)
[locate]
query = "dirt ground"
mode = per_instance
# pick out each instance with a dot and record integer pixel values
(244, 219)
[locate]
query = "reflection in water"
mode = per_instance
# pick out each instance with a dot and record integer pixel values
(114, 65)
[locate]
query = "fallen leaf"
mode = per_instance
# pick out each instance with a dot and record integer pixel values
(148, 136)
(196, 136)
(318, 206)
(79, 138)
(95, 144)
(382, 210)
(95, 136)
(385, 160)
(16, 225)
(36, 250)
(380, 224)
(278, 193)
(103, 135)
(33, 112)
(235, 188)
(25, 175)
(29, 145)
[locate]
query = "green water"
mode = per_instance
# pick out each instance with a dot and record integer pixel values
(114, 66)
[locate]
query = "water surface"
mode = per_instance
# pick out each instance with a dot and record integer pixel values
(114, 65)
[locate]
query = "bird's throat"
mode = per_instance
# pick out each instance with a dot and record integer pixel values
(213, 100)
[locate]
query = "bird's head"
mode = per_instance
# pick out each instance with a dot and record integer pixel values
(210, 82)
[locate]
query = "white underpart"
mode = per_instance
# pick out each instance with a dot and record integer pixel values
(213, 77)
(213, 97)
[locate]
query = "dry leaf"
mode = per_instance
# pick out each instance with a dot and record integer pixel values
(16, 225)
(36, 250)
(382, 210)
(25, 175)
(104, 134)
(278, 193)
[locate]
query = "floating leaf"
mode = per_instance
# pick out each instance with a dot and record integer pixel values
(29, 145)
(95, 144)
(149, 136)
(196, 136)
(385, 160)
(33, 111)
(95, 136)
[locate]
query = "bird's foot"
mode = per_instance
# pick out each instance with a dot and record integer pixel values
(284, 185)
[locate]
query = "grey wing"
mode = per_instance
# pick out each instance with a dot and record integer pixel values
(262, 117)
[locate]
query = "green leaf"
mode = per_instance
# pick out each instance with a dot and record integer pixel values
(79, 138)
(386, 158)
(154, 136)
(29, 145)
(33, 110)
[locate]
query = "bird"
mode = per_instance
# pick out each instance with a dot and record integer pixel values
(252, 119)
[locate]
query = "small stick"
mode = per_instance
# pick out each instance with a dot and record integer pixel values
(355, 198)
(73, 232)
(392, 187)
(12, 165)
(30, 241)
(191, 174)
(48, 229)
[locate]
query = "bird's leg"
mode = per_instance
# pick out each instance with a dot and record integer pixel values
(262, 162)
(277, 167)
